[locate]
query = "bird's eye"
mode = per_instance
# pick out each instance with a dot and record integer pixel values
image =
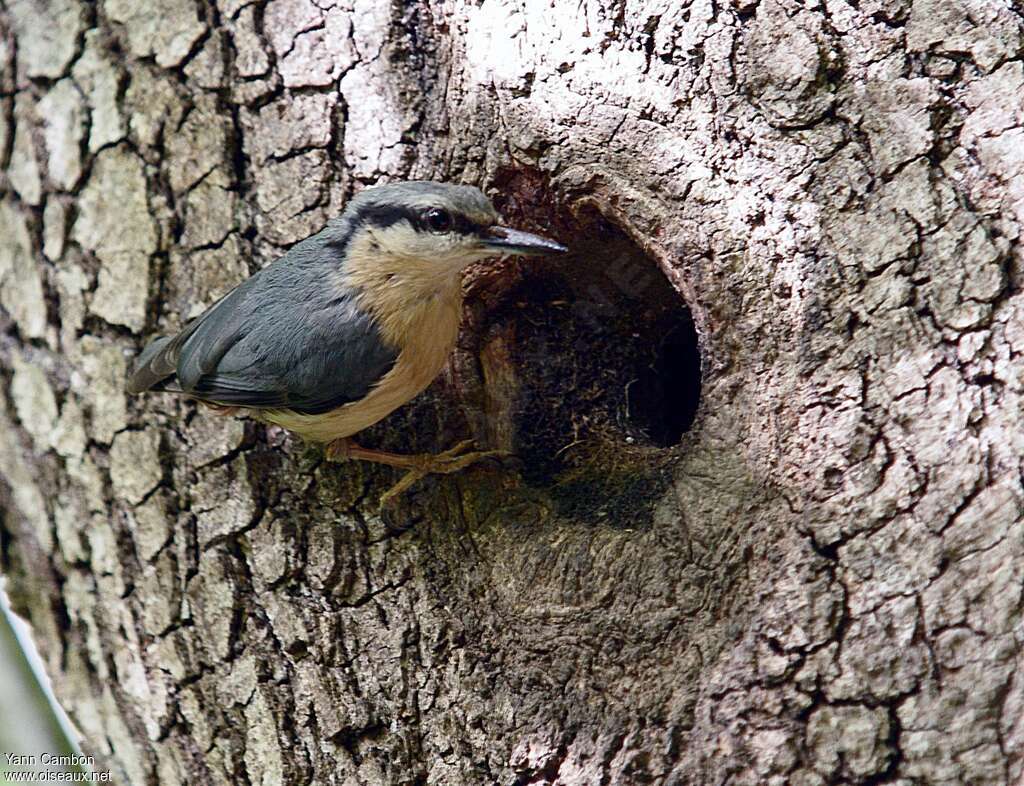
(438, 220)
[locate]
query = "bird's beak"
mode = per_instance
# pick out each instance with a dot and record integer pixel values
(503, 240)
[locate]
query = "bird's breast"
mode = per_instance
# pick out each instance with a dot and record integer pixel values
(425, 333)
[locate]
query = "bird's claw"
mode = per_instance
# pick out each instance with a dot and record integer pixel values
(419, 465)
(452, 460)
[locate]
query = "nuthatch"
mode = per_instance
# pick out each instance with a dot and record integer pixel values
(347, 326)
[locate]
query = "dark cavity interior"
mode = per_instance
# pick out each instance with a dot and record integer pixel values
(589, 362)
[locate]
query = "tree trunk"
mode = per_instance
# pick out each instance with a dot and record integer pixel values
(807, 214)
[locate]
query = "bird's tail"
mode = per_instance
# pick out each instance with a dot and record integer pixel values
(155, 364)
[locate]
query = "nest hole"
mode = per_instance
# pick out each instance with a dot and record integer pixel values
(590, 366)
(663, 403)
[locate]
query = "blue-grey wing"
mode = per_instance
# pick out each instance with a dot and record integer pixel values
(283, 339)
(310, 357)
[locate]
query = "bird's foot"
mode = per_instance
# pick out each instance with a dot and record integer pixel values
(450, 461)
(419, 465)
(454, 459)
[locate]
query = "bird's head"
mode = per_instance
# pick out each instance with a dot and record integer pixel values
(433, 228)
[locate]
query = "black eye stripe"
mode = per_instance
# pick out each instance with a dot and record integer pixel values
(464, 226)
(384, 216)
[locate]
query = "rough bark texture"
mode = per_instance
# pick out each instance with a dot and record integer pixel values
(821, 583)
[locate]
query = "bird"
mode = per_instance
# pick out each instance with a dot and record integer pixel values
(348, 325)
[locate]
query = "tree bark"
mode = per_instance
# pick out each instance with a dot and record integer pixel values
(820, 582)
